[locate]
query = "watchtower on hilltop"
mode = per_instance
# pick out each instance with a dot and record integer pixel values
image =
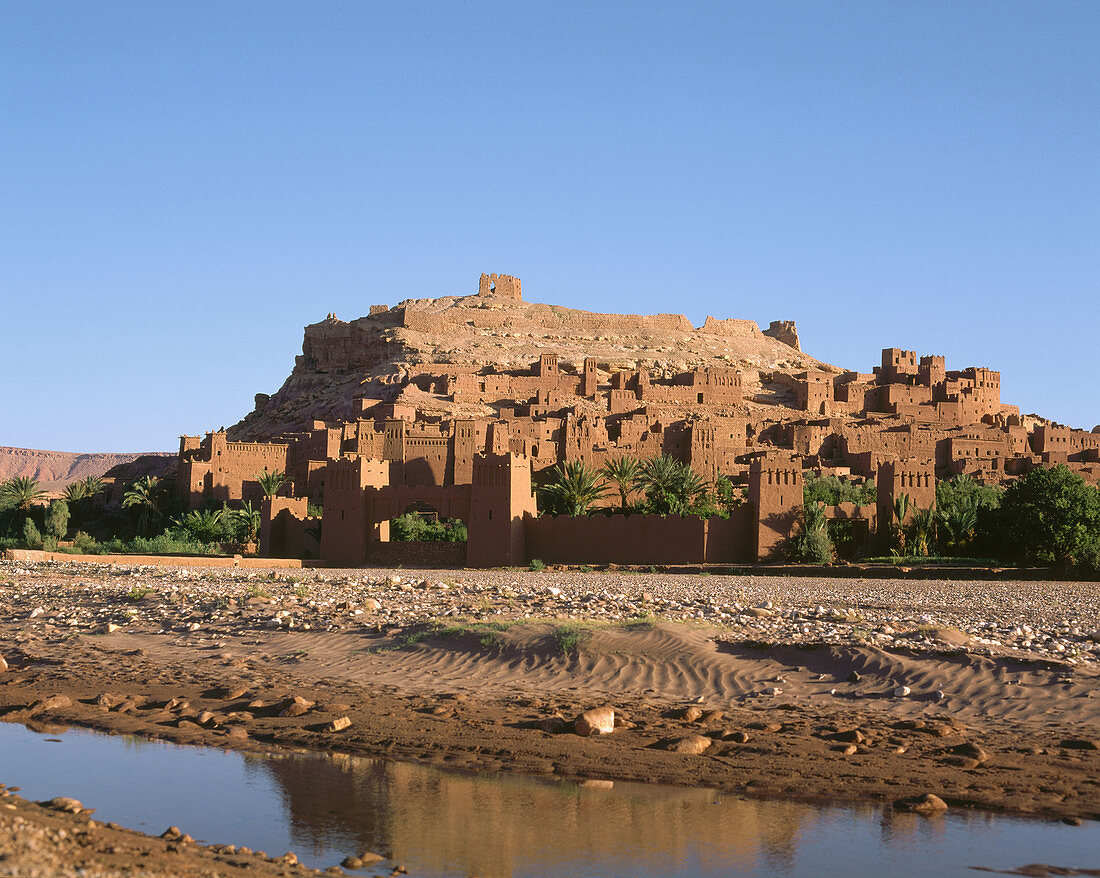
(502, 286)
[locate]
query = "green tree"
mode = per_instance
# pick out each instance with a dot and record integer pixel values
(203, 525)
(832, 490)
(898, 536)
(32, 539)
(813, 543)
(957, 519)
(145, 496)
(621, 472)
(922, 532)
(1050, 515)
(57, 519)
(21, 492)
(271, 483)
(573, 489)
(247, 521)
(75, 491)
(93, 485)
(669, 485)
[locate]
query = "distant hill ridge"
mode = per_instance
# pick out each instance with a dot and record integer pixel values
(56, 469)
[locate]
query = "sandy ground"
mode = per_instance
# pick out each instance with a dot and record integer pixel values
(984, 694)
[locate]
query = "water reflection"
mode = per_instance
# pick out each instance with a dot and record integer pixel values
(442, 823)
(477, 821)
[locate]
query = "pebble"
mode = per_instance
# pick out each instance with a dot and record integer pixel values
(1033, 620)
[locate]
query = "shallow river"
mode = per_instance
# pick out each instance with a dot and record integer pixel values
(442, 823)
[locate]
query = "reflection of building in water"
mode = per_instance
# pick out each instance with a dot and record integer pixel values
(492, 825)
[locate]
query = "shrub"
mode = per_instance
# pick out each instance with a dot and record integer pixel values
(536, 565)
(832, 490)
(85, 545)
(412, 527)
(32, 539)
(57, 519)
(812, 543)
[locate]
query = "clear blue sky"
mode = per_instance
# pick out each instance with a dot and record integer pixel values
(183, 186)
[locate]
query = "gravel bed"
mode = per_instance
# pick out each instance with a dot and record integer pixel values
(1034, 620)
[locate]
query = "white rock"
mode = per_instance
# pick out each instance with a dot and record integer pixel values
(901, 691)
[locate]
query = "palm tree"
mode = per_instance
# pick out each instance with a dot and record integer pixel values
(621, 472)
(93, 485)
(75, 491)
(248, 520)
(897, 530)
(573, 489)
(145, 494)
(204, 525)
(270, 483)
(957, 518)
(813, 543)
(669, 485)
(923, 531)
(21, 492)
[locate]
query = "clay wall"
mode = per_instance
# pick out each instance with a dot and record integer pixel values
(897, 365)
(219, 470)
(625, 539)
(286, 530)
(784, 331)
(417, 555)
(917, 478)
(1075, 444)
(814, 391)
(775, 492)
(732, 328)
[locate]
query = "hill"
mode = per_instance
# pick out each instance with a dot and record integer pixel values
(56, 469)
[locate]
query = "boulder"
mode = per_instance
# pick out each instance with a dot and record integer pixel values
(692, 745)
(597, 721)
(929, 803)
(338, 724)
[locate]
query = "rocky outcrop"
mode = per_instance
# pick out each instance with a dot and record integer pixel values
(784, 331)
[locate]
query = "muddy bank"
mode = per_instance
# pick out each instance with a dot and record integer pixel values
(814, 732)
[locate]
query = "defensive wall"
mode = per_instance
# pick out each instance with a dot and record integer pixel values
(505, 529)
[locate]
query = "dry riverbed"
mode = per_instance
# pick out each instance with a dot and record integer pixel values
(984, 694)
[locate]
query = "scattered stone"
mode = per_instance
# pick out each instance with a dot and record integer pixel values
(3, 664)
(64, 803)
(737, 737)
(555, 724)
(53, 702)
(338, 724)
(929, 803)
(1080, 744)
(851, 736)
(901, 691)
(970, 750)
(844, 749)
(691, 714)
(296, 706)
(692, 745)
(597, 721)
(855, 677)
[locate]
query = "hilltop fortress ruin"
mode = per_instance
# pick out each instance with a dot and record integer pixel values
(453, 405)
